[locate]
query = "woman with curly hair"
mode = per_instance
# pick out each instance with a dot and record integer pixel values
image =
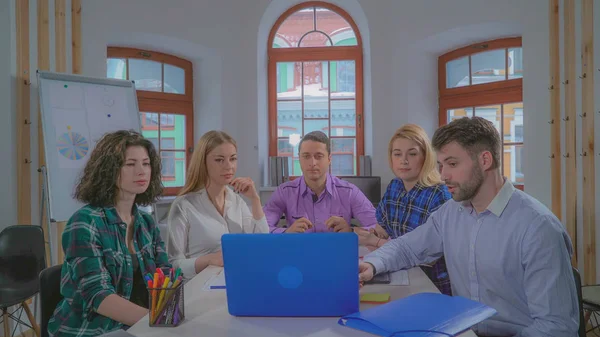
(110, 244)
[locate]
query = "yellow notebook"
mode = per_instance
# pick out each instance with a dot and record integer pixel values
(375, 298)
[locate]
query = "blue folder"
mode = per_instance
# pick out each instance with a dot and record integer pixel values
(420, 315)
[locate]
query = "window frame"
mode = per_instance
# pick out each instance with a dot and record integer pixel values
(306, 54)
(161, 102)
(479, 95)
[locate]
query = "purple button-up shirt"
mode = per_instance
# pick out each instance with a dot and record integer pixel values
(340, 198)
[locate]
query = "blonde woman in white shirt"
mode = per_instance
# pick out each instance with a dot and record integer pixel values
(209, 206)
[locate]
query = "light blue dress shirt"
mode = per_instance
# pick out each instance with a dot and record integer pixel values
(513, 257)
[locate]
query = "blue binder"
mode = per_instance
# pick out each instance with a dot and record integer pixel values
(420, 315)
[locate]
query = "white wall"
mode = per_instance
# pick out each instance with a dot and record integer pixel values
(220, 37)
(418, 38)
(212, 35)
(8, 204)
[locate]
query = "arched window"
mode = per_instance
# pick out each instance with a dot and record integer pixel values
(315, 83)
(486, 79)
(165, 99)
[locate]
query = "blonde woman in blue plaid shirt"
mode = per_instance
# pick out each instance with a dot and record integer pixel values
(415, 193)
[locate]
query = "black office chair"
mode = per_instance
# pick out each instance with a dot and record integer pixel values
(22, 258)
(579, 302)
(591, 304)
(49, 294)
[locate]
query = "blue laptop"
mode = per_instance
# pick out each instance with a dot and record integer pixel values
(287, 275)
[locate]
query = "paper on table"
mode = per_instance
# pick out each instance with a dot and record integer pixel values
(399, 278)
(117, 333)
(216, 282)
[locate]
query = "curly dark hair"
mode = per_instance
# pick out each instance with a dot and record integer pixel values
(97, 185)
(474, 134)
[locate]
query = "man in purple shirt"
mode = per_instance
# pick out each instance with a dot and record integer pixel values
(318, 201)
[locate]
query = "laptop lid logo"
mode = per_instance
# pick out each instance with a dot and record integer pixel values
(290, 277)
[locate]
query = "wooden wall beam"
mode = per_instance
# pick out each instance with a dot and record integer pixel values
(60, 39)
(43, 46)
(23, 115)
(555, 109)
(76, 35)
(570, 123)
(60, 35)
(588, 153)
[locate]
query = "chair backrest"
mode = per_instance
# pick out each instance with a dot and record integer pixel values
(49, 294)
(580, 302)
(22, 253)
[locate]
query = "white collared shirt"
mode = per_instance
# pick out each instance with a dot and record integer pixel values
(196, 227)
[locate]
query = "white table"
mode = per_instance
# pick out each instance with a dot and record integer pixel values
(206, 314)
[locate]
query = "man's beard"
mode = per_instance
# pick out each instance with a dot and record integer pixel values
(469, 189)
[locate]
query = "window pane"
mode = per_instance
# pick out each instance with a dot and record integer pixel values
(342, 79)
(174, 79)
(513, 122)
(316, 91)
(343, 118)
(453, 114)
(316, 125)
(285, 147)
(167, 143)
(166, 121)
(289, 148)
(289, 118)
(289, 80)
(173, 168)
(154, 141)
(515, 63)
(172, 131)
(343, 156)
(457, 73)
(512, 165)
(149, 120)
(146, 74)
(336, 27)
(116, 68)
(292, 29)
(168, 163)
(315, 39)
(488, 66)
(492, 113)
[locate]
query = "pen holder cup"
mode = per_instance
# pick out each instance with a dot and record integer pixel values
(167, 307)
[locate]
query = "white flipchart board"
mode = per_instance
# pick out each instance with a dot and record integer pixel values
(76, 111)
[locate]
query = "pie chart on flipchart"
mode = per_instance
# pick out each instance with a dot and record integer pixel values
(72, 145)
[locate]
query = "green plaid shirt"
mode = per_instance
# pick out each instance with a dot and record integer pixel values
(97, 264)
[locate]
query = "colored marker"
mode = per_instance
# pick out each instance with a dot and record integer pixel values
(162, 292)
(154, 295)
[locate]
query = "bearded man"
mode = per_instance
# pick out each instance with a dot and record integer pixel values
(503, 248)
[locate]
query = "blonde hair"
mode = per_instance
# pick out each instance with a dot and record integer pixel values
(197, 172)
(429, 174)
